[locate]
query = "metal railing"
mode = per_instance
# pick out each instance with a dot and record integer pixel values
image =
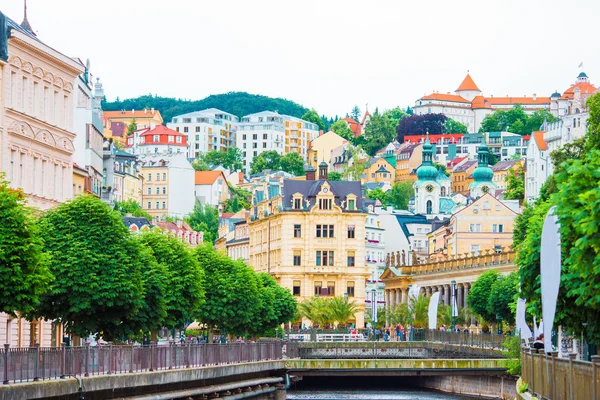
(41, 363)
(551, 377)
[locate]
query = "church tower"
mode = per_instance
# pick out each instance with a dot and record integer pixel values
(483, 174)
(468, 90)
(427, 188)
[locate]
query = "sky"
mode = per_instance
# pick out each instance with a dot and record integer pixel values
(328, 55)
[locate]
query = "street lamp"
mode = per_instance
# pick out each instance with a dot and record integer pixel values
(454, 310)
(374, 311)
(498, 316)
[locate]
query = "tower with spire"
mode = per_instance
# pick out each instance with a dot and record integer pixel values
(25, 24)
(483, 174)
(432, 186)
(468, 90)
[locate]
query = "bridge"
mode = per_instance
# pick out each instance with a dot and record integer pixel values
(231, 371)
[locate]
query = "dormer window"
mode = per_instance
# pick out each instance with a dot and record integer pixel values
(297, 204)
(351, 205)
(325, 204)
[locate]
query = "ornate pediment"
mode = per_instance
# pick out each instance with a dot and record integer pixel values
(21, 128)
(16, 61)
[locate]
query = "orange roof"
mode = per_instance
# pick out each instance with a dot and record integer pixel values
(354, 127)
(499, 101)
(584, 87)
(539, 140)
(468, 84)
(131, 114)
(445, 97)
(207, 177)
(161, 130)
(480, 102)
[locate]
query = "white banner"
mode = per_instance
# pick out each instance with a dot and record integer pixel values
(413, 291)
(453, 300)
(536, 331)
(550, 266)
(433, 310)
(521, 320)
(374, 307)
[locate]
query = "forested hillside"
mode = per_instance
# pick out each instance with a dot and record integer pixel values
(238, 103)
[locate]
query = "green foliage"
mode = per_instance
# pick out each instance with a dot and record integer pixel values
(266, 160)
(492, 159)
(593, 122)
(205, 218)
(230, 159)
(378, 194)
(232, 292)
(355, 167)
(323, 311)
(285, 305)
(237, 103)
(443, 168)
(99, 281)
(355, 113)
(334, 176)
(414, 313)
(131, 207)
(453, 126)
(184, 279)
(379, 132)
(313, 116)
(395, 115)
(515, 187)
(24, 273)
(239, 200)
(342, 128)
(523, 386)
(515, 120)
(503, 296)
(131, 127)
(479, 294)
(292, 163)
(521, 224)
(444, 316)
(513, 353)
(400, 194)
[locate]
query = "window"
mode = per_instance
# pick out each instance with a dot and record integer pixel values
(185, 129)
(264, 145)
(157, 190)
(429, 207)
(351, 205)
(331, 288)
(350, 288)
(500, 228)
(296, 288)
(197, 130)
(149, 190)
(297, 204)
(324, 258)
(475, 249)
(325, 231)
(325, 204)
(351, 232)
(297, 258)
(164, 205)
(149, 205)
(149, 177)
(318, 287)
(264, 136)
(164, 176)
(156, 138)
(157, 204)
(178, 139)
(164, 190)
(297, 231)
(351, 259)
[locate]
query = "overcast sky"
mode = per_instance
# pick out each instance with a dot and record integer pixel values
(325, 54)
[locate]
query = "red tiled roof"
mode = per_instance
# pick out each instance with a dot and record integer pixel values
(456, 161)
(434, 138)
(467, 84)
(584, 87)
(445, 97)
(163, 137)
(354, 127)
(539, 140)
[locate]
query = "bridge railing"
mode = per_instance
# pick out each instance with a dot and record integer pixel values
(40, 363)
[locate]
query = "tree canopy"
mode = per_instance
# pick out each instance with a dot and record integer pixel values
(131, 207)
(452, 126)
(334, 176)
(400, 194)
(230, 159)
(24, 273)
(503, 296)
(313, 116)
(478, 297)
(395, 115)
(515, 120)
(515, 184)
(421, 124)
(292, 162)
(378, 133)
(342, 128)
(355, 113)
(205, 218)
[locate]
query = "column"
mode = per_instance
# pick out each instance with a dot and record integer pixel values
(447, 293)
(459, 295)
(404, 295)
(386, 298)
(428, 291)
(398, 296)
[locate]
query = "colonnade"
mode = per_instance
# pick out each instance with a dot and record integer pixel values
(397, 296)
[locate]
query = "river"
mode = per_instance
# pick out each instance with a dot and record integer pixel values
(372, 394)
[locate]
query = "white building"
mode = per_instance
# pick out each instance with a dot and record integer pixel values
(159, 140)
(207, 130)
(88, 128)
(469, 107)
(211, 187)
(409, 232)
(538, 166)
(268, 130)
(375, 257)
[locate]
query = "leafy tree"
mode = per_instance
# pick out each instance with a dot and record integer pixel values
(439, 166)
(341, 128)
(421, 124)
(266, 160)
(99, 284)
(478, 296)
(334, 176)
(205, 218)
(355, 166)
(515, 120)
(230, 159)
(503, 296)
(342, 309)
(292, 163)
(593, 122)
(313, 116)
(400, 194)
(315, 310)
(131, 127)
(492, 158)
(131, 207)
(24, 273)
(452, 126)
(355, 113)
(184, 280)
(285, 304)
(240, 200)
(379, 132)
(232, 292)
(515, 188)
(378, 194)
(444, 316)
(395, 115)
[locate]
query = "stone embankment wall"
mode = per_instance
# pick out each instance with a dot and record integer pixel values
(493, 387)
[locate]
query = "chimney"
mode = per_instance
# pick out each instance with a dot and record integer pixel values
(179, 223)
(323, 167)
(534, 96)
(152, 110)
(145, 110)
(320, 132)
(132, 111)
(310, 173)
(241, 177)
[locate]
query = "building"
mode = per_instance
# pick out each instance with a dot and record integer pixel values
(211, 187)
(409, 232)
(378, 169)
(207, 130)
(80, 180)
(486, 223)
(538, 166)
(469, 107)
(309, 234)
(501, 170)
(572, 101)
(482, 175)
(87, 125)
(37, 85)
(181, 230)
(168, 185)
(375, 257)
(116, 122)
(121, 179)
(239, 246)
(268, 130)
(461, 177)
(408, 159)
(321, 148)
(158, 140)
(354, 126)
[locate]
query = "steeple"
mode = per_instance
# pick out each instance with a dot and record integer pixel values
(25, 24)
(483, 174)
(427, 172)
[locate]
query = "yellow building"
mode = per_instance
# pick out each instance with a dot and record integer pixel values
(378, 169)
(321, 147)
(311, 237)
(408, 159)
(461, 177)
(487, 223)
(502, 169)
(80, 178)
(115, 122)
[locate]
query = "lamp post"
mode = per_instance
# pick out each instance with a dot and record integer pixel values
(374, 310)
(453, 305)
(498, 316)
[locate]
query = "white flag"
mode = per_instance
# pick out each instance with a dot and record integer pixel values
(433, 310)
(581, 65)
(550, 269)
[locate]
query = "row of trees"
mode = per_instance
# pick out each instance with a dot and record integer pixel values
(291, 162)
(231, 159)
(515, 120)
(79, 264)
(398, 196)
(328, 311)
(493, 297)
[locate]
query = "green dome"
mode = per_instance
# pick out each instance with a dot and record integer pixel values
(483, 174)
(427, 173)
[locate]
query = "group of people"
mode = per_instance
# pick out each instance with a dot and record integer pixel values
(443, 328)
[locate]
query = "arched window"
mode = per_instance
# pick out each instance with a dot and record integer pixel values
(429, 206)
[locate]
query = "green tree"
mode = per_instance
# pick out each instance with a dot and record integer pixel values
(292, 163)
(515, 120)
(537, 119)
(239, 200)
(341, 128)
(593, 122)
(131, 207)
(355, 113)
(266, 160)
(313, 116)
(230, 159)
(503, 296)
(479, 294)
(232, 294)
(184, 280)
(342, 309)
(285, 304)
(395, 115)
(453, 126)
(515, 184)
(444, 316)
(24, 273)
(334, 176)
(205, 218)
(315, 309)
(379, 132)
(355, 166)
(99, 282)
(400, 194)
(378, 194)
(131, 127)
